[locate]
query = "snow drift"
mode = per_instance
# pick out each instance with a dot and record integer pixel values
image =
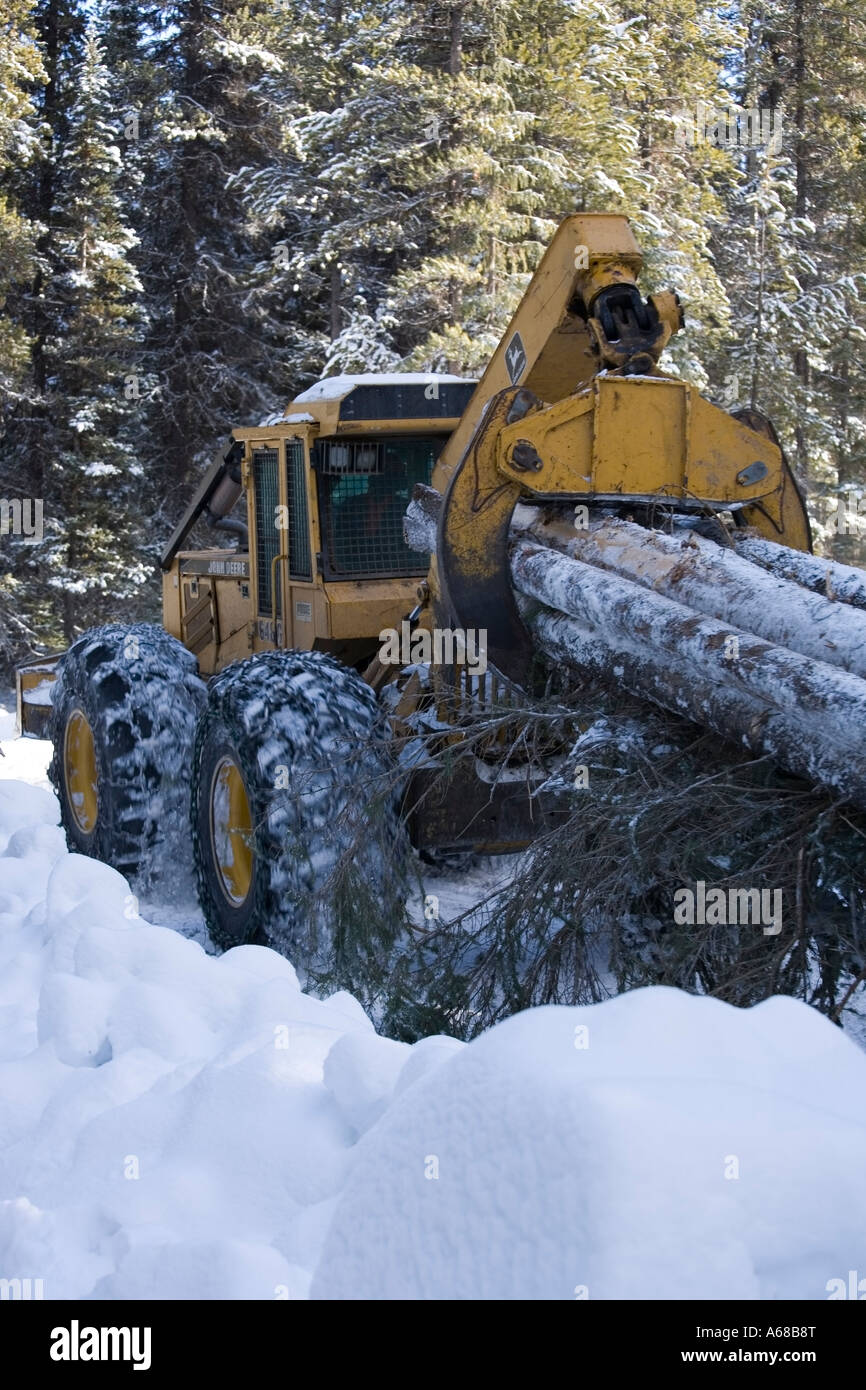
(655, 1146)
(178, 1125)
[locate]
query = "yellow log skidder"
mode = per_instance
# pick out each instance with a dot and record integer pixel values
(259, 699)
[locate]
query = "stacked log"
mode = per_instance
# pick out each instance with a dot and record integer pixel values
(724, 584)
(841, 583)
(707, 632)
(804, 714)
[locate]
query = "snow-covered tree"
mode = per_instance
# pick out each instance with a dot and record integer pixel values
(395, 155)
(21, 70)
(791, 250)
(204, 349)
(89, 556)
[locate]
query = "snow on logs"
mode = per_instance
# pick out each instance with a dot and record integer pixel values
(843, 583)
(701, 631)
(723, 584)
(804, 714)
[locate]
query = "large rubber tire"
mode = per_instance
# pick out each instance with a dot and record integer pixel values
(139, 694)
(306, 735)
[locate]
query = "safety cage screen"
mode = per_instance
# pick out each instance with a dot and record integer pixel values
(267, 498)
(298, 519)
(364, 489)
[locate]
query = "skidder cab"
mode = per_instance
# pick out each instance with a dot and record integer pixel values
(325, 489)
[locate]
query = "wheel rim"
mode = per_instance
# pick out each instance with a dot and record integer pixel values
(79, 771)
(231, 831)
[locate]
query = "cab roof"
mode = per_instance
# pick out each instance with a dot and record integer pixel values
(386, 396)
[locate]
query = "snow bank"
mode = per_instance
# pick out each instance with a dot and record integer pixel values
(166, 1128)
(24, 758)
(654, 1146)
(178, 1125)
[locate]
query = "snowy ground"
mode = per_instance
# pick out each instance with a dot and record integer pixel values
(177, 1124)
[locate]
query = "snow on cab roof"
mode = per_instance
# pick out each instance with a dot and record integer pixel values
(333, 387)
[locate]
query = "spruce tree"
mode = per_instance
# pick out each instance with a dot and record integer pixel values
(793, 252)
(88, 560)
(40, 45)
(394, 185)
(204, 351)
(21, 74)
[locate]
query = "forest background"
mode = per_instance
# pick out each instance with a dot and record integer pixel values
(206, 206)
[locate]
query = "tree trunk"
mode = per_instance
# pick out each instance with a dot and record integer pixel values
(803, 714)
(722, 584)
(335, 309)
(455, 54)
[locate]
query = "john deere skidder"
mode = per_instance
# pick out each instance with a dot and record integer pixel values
(253, 718)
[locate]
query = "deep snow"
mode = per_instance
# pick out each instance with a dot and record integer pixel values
(175, 1124)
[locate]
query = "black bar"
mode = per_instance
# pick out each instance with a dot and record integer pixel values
(617, 1337)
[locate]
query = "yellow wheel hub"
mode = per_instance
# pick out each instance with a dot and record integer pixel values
(231, 831)
(79, 771)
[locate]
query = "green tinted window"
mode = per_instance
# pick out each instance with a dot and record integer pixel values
(365, 487)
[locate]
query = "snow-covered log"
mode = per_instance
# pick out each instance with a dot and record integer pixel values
(804, 714)
(803, 711)
(842, 583)
(721, 583)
